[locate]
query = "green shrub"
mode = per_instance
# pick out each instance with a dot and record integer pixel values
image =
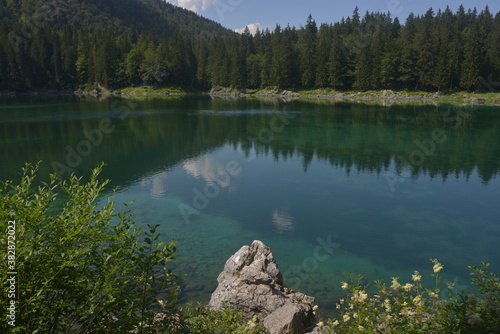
(413, 308)
(81, 268)
(202, 320)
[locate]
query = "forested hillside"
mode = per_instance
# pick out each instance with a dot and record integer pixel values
(88, 43)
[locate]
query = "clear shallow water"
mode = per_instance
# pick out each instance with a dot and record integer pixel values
(331, 188)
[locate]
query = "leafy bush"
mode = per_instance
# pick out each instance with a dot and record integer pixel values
(202, 320)
(413, 308)
(82, 268)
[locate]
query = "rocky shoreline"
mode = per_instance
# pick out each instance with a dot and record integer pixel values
(82, 92)
(386, 97)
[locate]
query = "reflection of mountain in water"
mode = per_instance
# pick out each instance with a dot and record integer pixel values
(159, 134)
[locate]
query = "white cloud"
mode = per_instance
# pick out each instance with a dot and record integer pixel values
(193, 5)
(252, 27)
(282, 220)
(207, 168)
(156, 183)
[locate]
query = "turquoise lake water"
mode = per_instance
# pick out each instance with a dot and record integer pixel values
(332, 188)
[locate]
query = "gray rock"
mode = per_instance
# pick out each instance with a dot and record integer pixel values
(252, 282)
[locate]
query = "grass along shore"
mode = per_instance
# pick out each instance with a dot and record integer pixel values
(385, 97)
(382, 96)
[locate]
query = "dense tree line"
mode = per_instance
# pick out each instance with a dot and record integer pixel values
(434, 51)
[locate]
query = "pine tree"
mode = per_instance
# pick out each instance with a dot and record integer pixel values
(407, 73)
(443, 37)
(323, 55)
(425, 64)
(255, 66)
(337, 65)
(470, 64)
(307, 50)
(493, 49)
(389, 67)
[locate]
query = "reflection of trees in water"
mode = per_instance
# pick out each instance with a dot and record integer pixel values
(353, 137)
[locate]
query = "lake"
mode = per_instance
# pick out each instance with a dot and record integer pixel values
(331, 188)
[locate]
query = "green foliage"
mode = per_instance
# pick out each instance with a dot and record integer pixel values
(202, 320)
(81, 266)
(478, 314)
(414, 308)
(92, 44)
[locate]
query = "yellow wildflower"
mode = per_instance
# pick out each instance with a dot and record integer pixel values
(408, 287)
(346, 317)
(416, 277)
(344, 285)
(395, 284)
(437, 266)
(336, 323)
(418, 301)
(359, 296)
(387, 305)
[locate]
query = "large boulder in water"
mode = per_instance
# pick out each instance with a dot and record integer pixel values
(252, 282)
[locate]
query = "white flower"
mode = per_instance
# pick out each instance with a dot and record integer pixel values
(437, 267)
(344, 285)
(387, 305)
(346, 317)
(395, 284)
(408, 287)
(416, 277)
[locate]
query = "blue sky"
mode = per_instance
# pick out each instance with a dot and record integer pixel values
(236, 14)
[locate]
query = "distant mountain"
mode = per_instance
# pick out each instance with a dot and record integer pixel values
(115, 16)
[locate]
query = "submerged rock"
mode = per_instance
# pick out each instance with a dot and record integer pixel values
(252, 283)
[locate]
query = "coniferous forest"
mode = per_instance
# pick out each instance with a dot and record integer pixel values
(71, 44)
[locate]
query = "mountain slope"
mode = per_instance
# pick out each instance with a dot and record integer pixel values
(115, 16)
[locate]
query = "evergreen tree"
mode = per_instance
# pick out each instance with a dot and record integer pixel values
(337, 64)
(406, 72)
(323, 55)
(470, 64)
(493, 48)
(307, 51)
(426, 49)
(439, 51)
